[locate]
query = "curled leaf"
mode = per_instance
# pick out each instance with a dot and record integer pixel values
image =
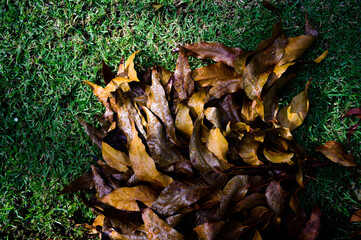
(278, 157)
(312, 228)
(292, 115)
(248, 150)
(183, 120)
(183, 82)
(218, 145)
(335, 152)
(276, 197)
(202, 159)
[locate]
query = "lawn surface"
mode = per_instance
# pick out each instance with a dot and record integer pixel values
(48, 48)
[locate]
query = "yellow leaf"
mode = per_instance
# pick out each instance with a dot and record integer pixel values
(218, 145)
(129, 67)
(98, 91)
(114, 158)
(279, 70)
(183, 121)
(278, 157)
(248, 150)
(142, 164)
(213, 115)
(124, 198)
(321, 57)
(296, 47)
(197, 101)
(292, 115)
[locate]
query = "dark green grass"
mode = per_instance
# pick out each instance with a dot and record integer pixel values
(48, 48)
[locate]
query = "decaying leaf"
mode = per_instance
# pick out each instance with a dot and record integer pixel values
(202, 153)
(202, 159)
(335, 152)
(156, 228)
(142, 164)
(218, 52)
(183, 82)
(180, 194)
(158, 104)
(312, 228)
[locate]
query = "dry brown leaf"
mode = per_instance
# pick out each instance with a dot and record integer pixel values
(124, 198)
(183, 120)
(142, 164)
(335, 152)
(114, 158)
(218, 145)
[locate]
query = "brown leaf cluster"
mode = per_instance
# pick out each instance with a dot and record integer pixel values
(204, 153)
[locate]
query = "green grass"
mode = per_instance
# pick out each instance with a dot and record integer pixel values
(48, 48)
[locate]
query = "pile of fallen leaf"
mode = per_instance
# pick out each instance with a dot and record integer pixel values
(204, 153)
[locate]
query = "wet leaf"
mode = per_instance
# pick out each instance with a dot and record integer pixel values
(100, 183)
(235, 184)
(164, 153)
(276, 197)
(156, 228)
(312, 228)
(249, 202)
(202, 159)
(143, 165)
(114, 158)
(335, 152)
(271, 98)
(356, 216)
(293, 115)
(209, 230)
(158, 104)
(353, 112)
(183, 82)
(183, 120)
(179, 195)
(218, 52)
(226, 86)
(124, 198)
